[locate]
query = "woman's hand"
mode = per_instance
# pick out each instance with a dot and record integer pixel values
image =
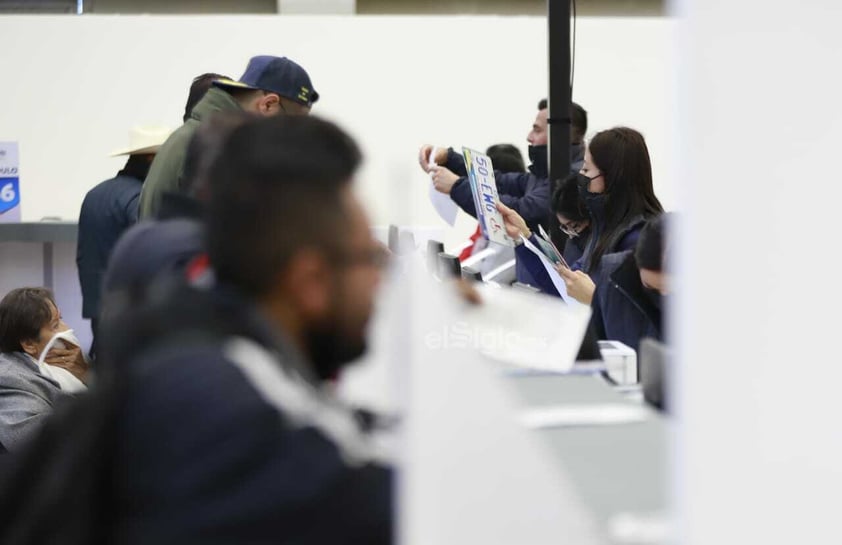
(515, 225)
(579, 285)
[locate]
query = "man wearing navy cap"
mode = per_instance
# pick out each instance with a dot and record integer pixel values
(269, 86)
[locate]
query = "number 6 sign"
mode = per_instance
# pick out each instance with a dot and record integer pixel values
(9, 182)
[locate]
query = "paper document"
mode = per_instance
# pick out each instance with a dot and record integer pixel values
(556, 278)
(525, 329)
(582, 415)
(484, 190)
(443, 204)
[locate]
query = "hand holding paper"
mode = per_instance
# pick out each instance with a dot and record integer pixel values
(445, 207)
(579, 285)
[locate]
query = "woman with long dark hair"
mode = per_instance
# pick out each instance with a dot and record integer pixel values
(615, 185)
(618, 192)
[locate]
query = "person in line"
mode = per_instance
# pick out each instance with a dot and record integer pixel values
(40, 363)
(198, 88)
(229, 435)
(269, 86)
(108, 210)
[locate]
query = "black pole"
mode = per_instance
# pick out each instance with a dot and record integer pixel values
(558, 17)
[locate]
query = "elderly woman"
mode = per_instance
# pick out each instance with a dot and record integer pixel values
(40, 362)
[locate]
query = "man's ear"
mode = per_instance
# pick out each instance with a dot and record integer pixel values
(308, 284)
(269, 103)
(30, 347)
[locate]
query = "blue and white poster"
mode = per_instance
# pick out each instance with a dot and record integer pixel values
(9, 183)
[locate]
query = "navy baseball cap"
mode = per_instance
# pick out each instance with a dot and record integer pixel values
(277, 75)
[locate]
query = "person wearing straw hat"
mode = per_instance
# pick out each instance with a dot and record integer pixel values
(269, 86)
(108, 210)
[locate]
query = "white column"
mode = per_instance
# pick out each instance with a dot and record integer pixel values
(760, 441)
(320, 7)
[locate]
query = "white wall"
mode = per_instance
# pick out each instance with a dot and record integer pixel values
(72, 87)
(760, 297)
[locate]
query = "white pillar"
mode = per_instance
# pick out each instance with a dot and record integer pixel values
(317, 7)
(759, 402)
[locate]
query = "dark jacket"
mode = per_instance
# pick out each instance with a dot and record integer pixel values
(527, 193)
(108, 210)
(205, 426)
(624, 240)
(623, 310)
(152, 249)
(167, 172)
(230, 438)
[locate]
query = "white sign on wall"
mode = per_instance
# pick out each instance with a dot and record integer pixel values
(9, 183)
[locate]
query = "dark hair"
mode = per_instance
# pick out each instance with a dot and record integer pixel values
(621, 156)
(198, 88)
(506, 158)
(203, 148)
(275, 188)
(578, 119)
(566, 200)
(137, 166)
(651, 249)
(23, 312)
(578, 122)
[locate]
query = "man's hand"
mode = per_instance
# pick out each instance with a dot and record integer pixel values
(424, 157)
(70, 358)
(515, 225)
(443, 179)
(579, 285)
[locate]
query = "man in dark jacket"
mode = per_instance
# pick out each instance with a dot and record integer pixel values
(108, 210)
(269, 86)
(229, 435)
(527, 193)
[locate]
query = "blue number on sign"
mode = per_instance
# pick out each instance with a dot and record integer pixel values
(483, 171)
(9, 194)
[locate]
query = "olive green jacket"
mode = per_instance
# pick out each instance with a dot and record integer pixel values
(167, 171)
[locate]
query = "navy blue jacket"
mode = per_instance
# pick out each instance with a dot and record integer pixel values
(107, 211)
(228, 438)
(626, 240)
(623, 310)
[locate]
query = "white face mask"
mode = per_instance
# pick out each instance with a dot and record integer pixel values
(59, 340)
(65, 379)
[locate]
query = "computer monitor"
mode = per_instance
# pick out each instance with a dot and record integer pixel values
(434, 248)
(394, 239)
(449, 266)
(471, 274)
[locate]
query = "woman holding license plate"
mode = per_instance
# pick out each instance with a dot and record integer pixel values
(615, 188)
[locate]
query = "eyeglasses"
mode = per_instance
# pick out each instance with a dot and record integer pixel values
(572, 228)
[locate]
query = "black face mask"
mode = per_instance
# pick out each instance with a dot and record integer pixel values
(538, 158)
(654, 297)
(329, 350)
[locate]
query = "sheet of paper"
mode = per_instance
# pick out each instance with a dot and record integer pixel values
(443, 204)
(556, 278)
(524, 329)
(566, 416)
